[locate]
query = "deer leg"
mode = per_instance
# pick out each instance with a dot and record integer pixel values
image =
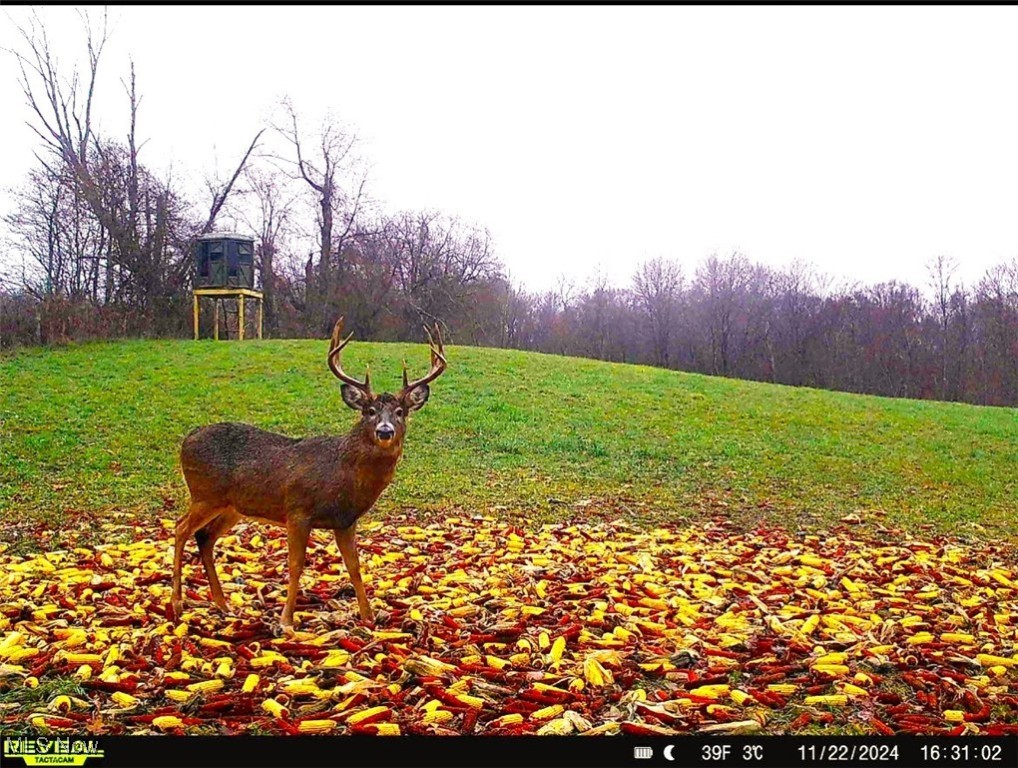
(297, 533)
(345, 540)
(197, 516)
(207, 538)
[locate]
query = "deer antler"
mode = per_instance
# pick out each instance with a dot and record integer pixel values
(437, 362)
(335, 348)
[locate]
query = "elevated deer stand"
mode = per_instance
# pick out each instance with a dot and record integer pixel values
(224, 264)
(217, 295)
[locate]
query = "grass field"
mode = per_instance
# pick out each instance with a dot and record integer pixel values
(96, 428)
(698, 596)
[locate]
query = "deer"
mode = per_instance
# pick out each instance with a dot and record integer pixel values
(239, 472)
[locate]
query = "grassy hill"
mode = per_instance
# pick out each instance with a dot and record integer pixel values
(96, 428)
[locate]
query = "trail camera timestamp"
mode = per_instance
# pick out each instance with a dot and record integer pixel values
(949, 753)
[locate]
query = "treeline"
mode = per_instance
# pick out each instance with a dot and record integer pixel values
(100, 246)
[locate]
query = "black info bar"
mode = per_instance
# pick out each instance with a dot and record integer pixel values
(524, 751)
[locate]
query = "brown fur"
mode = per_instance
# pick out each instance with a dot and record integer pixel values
(236, 471)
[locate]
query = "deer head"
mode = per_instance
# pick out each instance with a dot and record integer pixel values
(383, 417)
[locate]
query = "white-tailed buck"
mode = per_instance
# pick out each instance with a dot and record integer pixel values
(236, 471)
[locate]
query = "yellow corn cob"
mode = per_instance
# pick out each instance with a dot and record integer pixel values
(711, 691)
(596, 674)
(225, 669)
(209, 642)
(112, 656)
(513, 719)
(20, 654)
(386, 729)
(957, 637)
(460, 686)
(954, 715)
(316, 726)
(834, 699)
(532, 610)
(301, 687)
(495, 662)
(84, 672)
(547, 713)
(175, 694)
(30, 682)
(854, 690)
(557, 649)
(177, 677)
(783, 688)
(998, 670)
(576, 685)
(250, 683)
(519, 659)
(741, 697)
(989, 660)
(810, 624)
(206, 686)
(831, 658)
(623, 634)
(60, 704)
(543, 640)
(165, 722)
(124, 699)
(920, 638)
(365, 714)
(426, 666)
(834, 670)
(579, 722)
(437, 716)
(557, 727)
(274, 708)
(470, 701)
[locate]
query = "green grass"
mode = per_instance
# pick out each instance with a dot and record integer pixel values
(95, 428)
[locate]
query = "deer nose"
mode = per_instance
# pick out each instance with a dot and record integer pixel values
(385, 432)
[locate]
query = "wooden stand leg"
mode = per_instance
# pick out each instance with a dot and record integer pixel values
(196, 317)
(240, 318)
(215, 316)
(261, 310)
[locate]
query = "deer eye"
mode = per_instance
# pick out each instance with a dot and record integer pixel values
(372, 411)
(399, 413)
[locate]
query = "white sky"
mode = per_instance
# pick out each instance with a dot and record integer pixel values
(863, 139)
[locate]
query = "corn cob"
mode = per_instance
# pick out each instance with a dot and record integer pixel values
(557, 727)
(557, 649)
(274, 708)
(513, 719)
(835, 699)
(547, 713)
(437, 716)
(60, 704)
(367, 714)
(250, 683)
(124, 699)
(316, 726)
(387, 729)
(175, 694)
(470, 701)
(741, 697)
(165, 722)
(206, 686)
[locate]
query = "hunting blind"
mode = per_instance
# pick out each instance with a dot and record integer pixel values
(224, 271)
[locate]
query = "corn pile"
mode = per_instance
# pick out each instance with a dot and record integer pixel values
(491, 629)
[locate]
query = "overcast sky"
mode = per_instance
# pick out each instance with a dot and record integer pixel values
(863, 139)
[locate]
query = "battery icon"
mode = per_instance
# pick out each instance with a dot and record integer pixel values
(643, 753)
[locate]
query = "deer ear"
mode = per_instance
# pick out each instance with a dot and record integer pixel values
(417, 397)
(355, 398)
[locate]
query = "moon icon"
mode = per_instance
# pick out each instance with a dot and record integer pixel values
(668, 752)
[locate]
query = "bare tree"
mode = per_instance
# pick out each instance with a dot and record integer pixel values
(333, 174)
(657, 286)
